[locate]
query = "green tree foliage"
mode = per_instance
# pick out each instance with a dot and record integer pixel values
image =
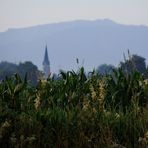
(31, 70)
(134, 62)
(105, 69)
(7, 69)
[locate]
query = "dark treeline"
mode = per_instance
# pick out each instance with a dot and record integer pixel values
(33, 74)
(8, 69)
(128, 65)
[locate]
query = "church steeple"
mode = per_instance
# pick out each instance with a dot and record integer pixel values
(46, 64)
(46, 59)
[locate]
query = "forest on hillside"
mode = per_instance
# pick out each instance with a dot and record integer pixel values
(77, 109)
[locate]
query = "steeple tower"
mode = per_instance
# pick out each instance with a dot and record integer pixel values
(46, 64)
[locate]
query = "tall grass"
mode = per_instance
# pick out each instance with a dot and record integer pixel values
(75, 110)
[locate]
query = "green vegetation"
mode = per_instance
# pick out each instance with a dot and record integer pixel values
(105, 69)
(75, 111)
(134, 62)
(7, 69)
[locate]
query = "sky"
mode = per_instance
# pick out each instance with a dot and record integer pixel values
(24, 13)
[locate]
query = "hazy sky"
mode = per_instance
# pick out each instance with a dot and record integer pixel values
(22, 13)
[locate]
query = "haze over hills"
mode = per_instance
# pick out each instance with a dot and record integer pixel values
(92, 42)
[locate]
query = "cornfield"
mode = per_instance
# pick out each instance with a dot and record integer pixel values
(76, 110)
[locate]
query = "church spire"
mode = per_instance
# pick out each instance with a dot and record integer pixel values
(46, 64)
(46, 59)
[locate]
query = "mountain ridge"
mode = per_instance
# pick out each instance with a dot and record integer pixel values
(92, 42)
(73, 21)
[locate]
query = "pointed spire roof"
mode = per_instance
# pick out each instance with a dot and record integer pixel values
(46, 60)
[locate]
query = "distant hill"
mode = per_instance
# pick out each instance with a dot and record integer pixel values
(92, 42)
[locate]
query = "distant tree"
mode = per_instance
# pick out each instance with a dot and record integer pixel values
(7, 69)
(30, 69)
(105, 69)
(134, 62)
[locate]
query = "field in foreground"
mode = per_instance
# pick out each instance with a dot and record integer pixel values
(75, 110)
